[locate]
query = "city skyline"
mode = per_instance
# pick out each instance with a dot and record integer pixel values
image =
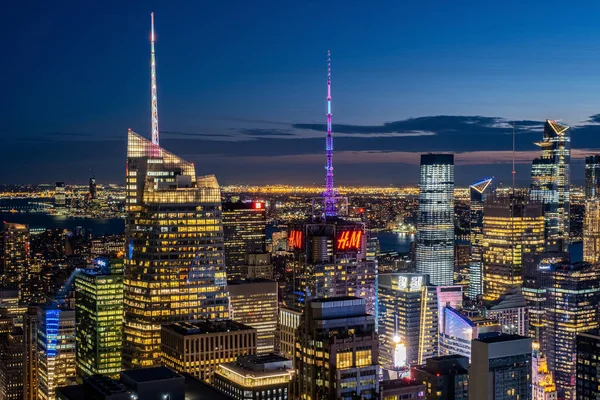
(238, 119)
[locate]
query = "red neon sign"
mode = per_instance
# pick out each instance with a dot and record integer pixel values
(258, 206)
(294, 239)
(349, 240)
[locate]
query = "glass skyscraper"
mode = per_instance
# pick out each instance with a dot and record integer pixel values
(592, 177)
(550, 180)
(174, 262)
(478, 195)
(435, 226)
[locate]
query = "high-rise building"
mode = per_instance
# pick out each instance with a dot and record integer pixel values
(459, 330)
(254, 303)
(174, 261)
(500, 368)
(435, 226)
(60, 195)
(336, 351)
(401, 389)
(265, 377)
(244, 230)
(198, 348)
(14, 255)
(479, 191)
(591, 231)
(550, 183)
(572, 297)
(542, 384)
(287, 325)
(513, 226)
(592, 177)
(445, 377)
(510, 310)
(55, 349)
(11, 364)
(30, 356)
(99, 318)
(588, 365)
(408, 320)
(93, 190)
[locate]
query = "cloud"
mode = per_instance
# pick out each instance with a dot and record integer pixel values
(594, 118)
(195, 134)
(73, 134)
(265, 132)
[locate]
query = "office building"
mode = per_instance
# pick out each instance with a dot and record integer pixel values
(107, 245)
(572, 297)
(592, 177)
(93, 189)
(513, 227)
(336, 351)
(408, 320)
(542, 384)
(510, 310)
(99, 318)
(30, 355)
(287, 325)
(190, 346)
(55, 349)
(11, 364)
(479, 191)
(265, 377)
(435, 226)
(14, 255)
(500, 368)
(591, 231)
(459, 330)
(444, 377)
(550, 183)
(259, 266)
(588, 365)
(60, 195)
(174, 235)
(244, 230)
(401, 389)
(254, 303)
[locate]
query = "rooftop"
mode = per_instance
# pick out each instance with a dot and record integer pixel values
(150, 374)
(205, 327)
(499, 338)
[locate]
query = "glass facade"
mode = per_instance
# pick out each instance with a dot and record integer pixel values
(14, 256)
(588, 365)
(591, 231)
(513, 226)
(435, 225)
(550, 182)
(478, 193)
(99, 318)
(592, 177)
(174, 265)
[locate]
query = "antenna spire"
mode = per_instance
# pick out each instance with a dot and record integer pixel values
(514, 172)
(330, 195)
(153, 84)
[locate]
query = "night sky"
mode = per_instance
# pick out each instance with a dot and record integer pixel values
(242, 86)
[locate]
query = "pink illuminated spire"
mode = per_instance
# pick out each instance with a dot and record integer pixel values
(153, 85)
(330, 193)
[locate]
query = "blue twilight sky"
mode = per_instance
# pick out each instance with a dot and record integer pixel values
(242, 85)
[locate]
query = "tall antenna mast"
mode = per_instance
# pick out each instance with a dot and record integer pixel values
(330, 196)
(153, 85)
(514, 172)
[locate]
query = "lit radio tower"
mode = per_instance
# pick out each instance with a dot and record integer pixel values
(330, 194)
(153, 85)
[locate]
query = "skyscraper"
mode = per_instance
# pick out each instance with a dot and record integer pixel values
(174, 264)
(435, 227)
(588, 365)
(572, 297)
(93, 190)
(336, 351)
(14, 255)
(550, 182)
(244, 230)
(512, 226)
(543, 387)
(445, 377)
(99, 318)
(478, 196)
(591, 231)
(60, 195)
(11, 364)
(592, 177)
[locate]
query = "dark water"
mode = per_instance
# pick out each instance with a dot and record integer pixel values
(390, 241)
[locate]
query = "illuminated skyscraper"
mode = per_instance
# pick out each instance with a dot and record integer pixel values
(591, 231)
(93, 195)
(512, 226)
(174, 261)
(572, 297)
(592, 177)
(550, 182)
(478, 196)
(408, 320)
(99, 318)
(14, 255)
(588, 365)
(543, 387)
(435, 227)
(244, 226)
(11, 364)
(60, 195)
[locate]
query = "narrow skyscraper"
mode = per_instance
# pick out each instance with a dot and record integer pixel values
(592, 177)
(174, 261)
(479, 192)
(550, 182)
(435, 227)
